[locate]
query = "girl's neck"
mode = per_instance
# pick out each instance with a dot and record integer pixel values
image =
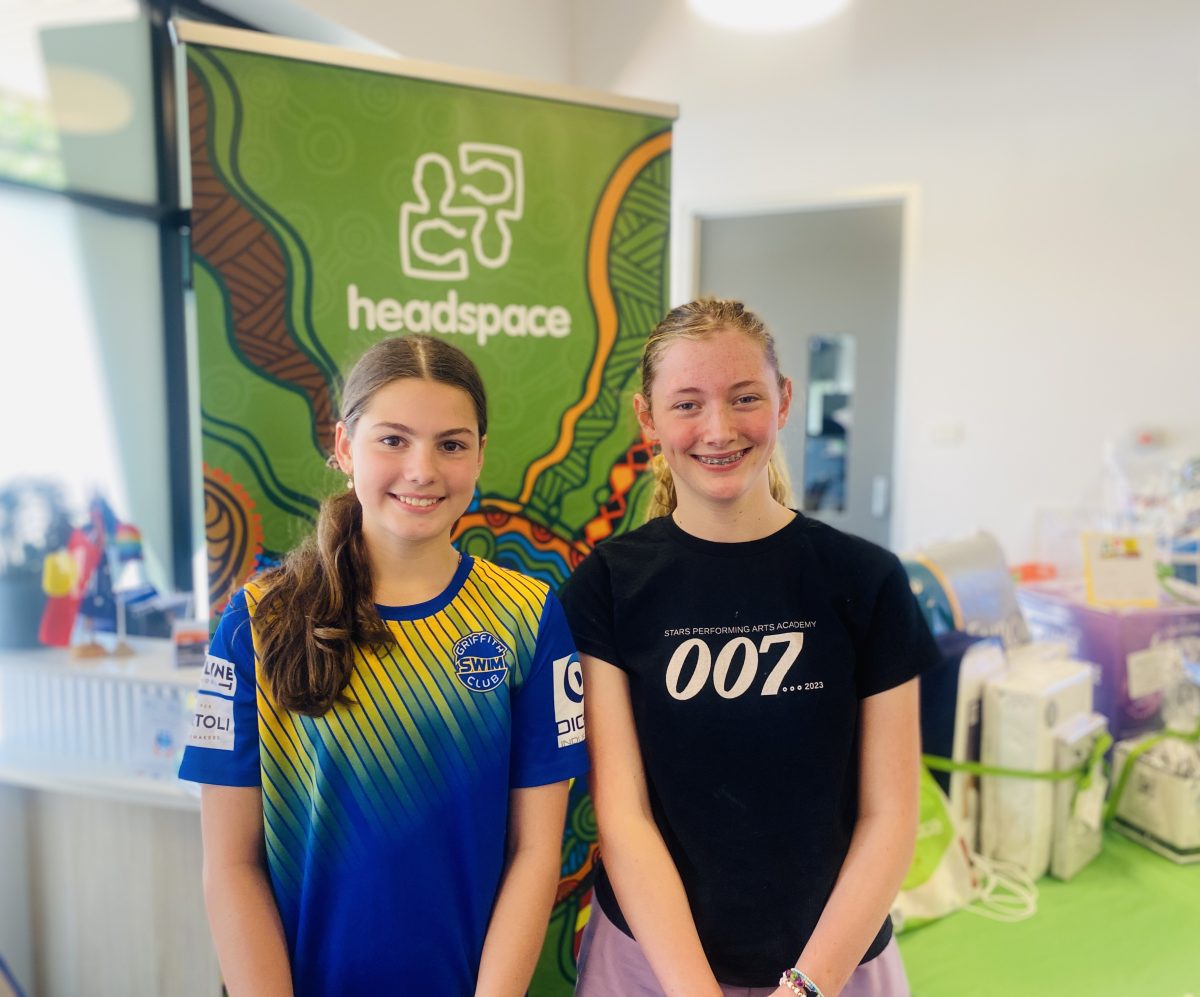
(407, 575)
(751, 520)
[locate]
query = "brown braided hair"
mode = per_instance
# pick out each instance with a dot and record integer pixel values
(319, 603)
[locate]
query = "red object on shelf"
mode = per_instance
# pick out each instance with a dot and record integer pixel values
(1033, 571)
(58, 619)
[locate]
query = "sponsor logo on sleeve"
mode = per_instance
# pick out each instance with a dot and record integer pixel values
(212, 724)
(568, 700)
(218, 676)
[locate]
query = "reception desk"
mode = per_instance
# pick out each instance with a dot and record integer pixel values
(100, 870)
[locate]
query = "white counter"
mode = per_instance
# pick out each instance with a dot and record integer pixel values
(100, 867)
(101, 727)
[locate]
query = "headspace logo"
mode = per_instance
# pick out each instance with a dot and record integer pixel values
(455, 220)
(480, 319)
(421, 221)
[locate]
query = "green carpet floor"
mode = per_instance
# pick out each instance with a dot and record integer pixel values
(1128, 924)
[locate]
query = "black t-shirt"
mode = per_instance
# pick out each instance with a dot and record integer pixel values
(746, 664)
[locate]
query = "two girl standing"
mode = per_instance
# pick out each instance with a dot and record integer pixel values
(385, 809)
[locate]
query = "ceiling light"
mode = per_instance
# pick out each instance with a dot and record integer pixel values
(766, 15)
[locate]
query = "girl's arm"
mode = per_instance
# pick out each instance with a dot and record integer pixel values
(242, 915)
(881, 847)
(643, 875)
(527, 888)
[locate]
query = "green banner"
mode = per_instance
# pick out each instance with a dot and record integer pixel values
(334, 206)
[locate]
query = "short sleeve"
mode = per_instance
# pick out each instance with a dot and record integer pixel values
(222, 742)
(548, 731)
(897, 645)
(588, 601)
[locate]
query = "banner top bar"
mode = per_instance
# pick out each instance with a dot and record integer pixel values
(196, 32)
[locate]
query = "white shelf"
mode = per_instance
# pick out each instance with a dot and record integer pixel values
(97, 784)
(107, 728)
(153, 660)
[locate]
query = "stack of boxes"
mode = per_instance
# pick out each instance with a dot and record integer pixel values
(1045, 697)
(1148, 663)
(1037, 714)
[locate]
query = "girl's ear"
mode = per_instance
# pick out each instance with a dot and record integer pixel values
(642, 407)
(341, 448)
(785, 401)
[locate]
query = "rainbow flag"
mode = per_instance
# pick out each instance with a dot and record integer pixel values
(127, 543)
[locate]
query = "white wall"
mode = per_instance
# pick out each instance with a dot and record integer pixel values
(1052, 152)
(528, 38)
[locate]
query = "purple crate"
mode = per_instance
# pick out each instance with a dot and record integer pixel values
(1106, 637)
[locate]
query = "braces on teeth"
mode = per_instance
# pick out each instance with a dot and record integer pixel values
(721, 460)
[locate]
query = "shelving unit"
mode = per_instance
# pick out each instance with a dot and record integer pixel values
(100, 883)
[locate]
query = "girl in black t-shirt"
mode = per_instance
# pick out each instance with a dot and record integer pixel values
(751, 704)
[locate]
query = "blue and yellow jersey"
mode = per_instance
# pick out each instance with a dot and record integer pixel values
(384, 819)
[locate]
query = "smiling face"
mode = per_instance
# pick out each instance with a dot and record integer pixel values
(415, 454)
(716, 408)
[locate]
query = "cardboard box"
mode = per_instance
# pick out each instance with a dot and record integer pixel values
(1078, 821)
(1107, 638)
(1160, 806)
(1021, 710)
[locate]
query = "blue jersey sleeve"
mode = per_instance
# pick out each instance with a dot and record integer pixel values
(222, 741)
(548, 731)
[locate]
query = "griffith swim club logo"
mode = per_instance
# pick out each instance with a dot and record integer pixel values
(479, 661)
(457, 224)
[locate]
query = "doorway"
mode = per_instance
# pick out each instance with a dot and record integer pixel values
(827, 282)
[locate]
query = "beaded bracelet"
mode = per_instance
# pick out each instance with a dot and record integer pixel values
(798, 983)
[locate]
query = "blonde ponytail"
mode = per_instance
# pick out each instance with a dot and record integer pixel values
(663, 499)
(779, 479)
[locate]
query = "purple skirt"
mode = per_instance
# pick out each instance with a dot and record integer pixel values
(611, 964)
